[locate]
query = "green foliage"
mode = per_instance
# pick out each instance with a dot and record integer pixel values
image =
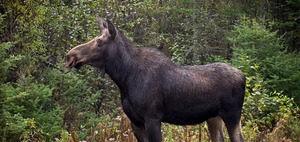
(29, 103)
(10, 124)
(200, 36)
(279, 69)
(293, 125)
(15, 127)
(47, 97)
(260, 54)
(262, 110)
(7, 62)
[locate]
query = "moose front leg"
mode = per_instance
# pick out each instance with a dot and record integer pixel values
(139, 132)
(153, 130)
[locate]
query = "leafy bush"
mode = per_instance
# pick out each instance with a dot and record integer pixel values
(263, 109)
(260, 54)
(279, 69)
(11, 125)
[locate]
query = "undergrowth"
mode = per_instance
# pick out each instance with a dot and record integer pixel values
(118, 129)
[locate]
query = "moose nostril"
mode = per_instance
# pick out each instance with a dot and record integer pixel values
(70, 64)
(69, 60)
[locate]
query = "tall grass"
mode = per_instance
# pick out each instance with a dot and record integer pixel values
(119, 130)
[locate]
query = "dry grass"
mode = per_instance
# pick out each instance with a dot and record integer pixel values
(119, 130)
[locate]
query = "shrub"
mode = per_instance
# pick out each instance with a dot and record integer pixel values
(279, 69)
(263, 109)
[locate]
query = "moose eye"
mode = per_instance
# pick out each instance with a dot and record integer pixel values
(99, 42)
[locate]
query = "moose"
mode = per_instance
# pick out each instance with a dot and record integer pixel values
(153, 89)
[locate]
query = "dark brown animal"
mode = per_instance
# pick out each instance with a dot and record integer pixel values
(155, 90)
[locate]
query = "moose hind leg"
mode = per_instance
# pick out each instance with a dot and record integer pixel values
(215, 128)
(234, 127)
(235, 132)
(139, 132)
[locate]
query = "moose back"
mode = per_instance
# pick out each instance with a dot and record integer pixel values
(155, 90)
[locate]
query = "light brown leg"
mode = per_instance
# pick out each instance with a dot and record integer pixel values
(215, 127)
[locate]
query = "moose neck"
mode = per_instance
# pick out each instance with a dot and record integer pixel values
(120, 64)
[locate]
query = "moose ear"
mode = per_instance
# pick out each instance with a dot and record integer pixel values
(101, 23)
(111, 29)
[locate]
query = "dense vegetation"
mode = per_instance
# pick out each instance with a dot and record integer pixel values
(40, 100)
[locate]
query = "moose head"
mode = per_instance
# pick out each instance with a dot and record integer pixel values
(94, 52)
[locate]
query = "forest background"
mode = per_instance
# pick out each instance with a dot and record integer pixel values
(41, 101)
